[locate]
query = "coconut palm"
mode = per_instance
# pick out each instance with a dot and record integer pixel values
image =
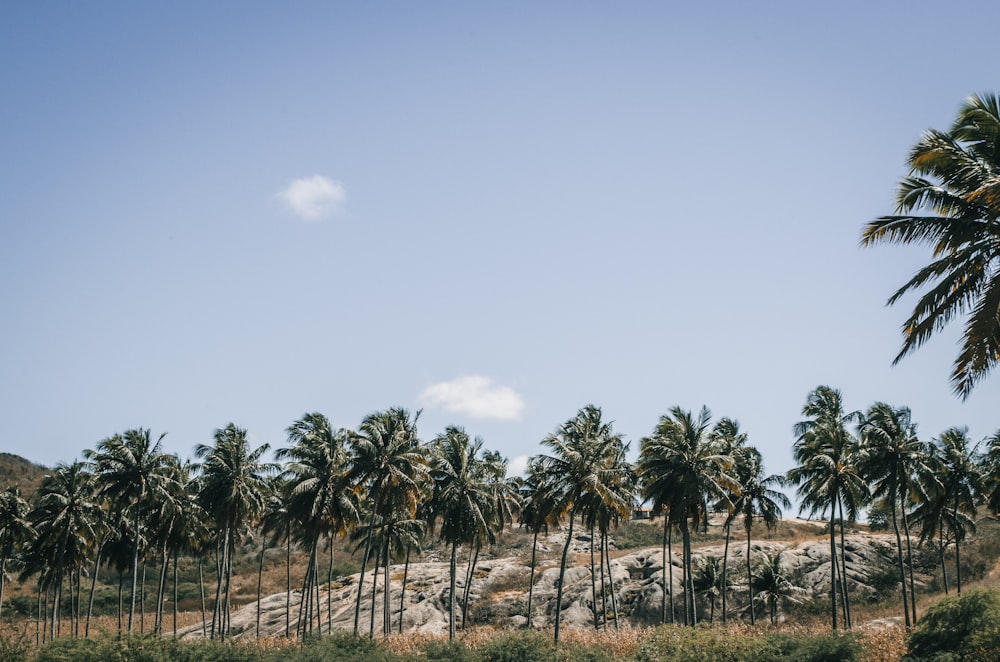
(461, 505)
(132, 472)
(827, 474)
(683, 467)
(756, 500)
(388, 465)
(15, 529)
(541, 509)
(773, 586)
(709, 581)
(64, 518)
(962, 481)
(232, 488)
(891, 458)
(732, 441)
(584, 451)
(950, 201)
(320, 498)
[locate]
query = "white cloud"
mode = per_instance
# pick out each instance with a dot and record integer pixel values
(313, 198)
(518, 466)
(474, 396)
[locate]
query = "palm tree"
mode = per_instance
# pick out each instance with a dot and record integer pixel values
(320, 499)
(827, 475)
(388, 465)
(709, 581)
(951, 201)
(962, 482)
(733, 440)
(890, 460)
(773, 585)
(462, 499)
(756, 499)
(584, 452)
(233, 489)
(682, 467)
(64, 518)
(540, 511)
(131, 472)
(15, 529)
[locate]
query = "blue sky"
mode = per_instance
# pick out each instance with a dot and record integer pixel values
(499, 212)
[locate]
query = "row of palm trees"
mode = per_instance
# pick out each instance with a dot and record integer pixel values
(130, 504)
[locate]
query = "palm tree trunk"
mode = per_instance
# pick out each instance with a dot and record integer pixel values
(176, 552)
(666, 588)
(451, 592)
(902, 570)
(288, 580)
(843, 576)
(941, 547)
(725, 575)
(468, 584)
(142, 599)
(121, 585)
(690, 616)
(135, 568)
(93, 586)
(305, 602)
(3, 564)
(593, 579)
(361, 579)
(833, 562)
(319, 598)
(531, 579)
(386, 611)
(611, 578)
(670, 569)
(220, 570)
(329, 589)
(201, 586)
(753, 607)
(260, 577)
(161, 589)
(402, 593)
(229, 584)
(604, 593)
(958, 565)
(909, 554)
(562, 575)
(38, 616)
(371, 623)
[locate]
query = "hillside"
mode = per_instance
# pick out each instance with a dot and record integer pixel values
(16, 470)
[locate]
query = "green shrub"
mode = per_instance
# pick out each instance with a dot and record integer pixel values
(966, 626)
(341, 647)
(447, 651)
(518, 647)
(679, 644)
(830, 647)
(15, 648)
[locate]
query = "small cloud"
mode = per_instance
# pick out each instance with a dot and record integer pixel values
(518, 466)
(474, 396)
(313, 198)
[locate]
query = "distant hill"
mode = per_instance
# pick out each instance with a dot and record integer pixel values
(15, 470)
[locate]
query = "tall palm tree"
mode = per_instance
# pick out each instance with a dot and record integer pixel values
(15, 529)
(827, 474)
(683, 467)
(540, 498)
(891, 458)
(64, 518)
(387, 465)
(462, 499)
(132, 472)
(584, 451)
(732, 441)
(233, 489)
(962, 482)
(950, 201)
(756, 499)
(320, 498)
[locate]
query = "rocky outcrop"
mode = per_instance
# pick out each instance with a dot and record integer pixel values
(498, 594)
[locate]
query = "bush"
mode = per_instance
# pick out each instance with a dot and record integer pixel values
(966, 626)
(518, 647)
(447, 651)
(679, 644)
(341, 647)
